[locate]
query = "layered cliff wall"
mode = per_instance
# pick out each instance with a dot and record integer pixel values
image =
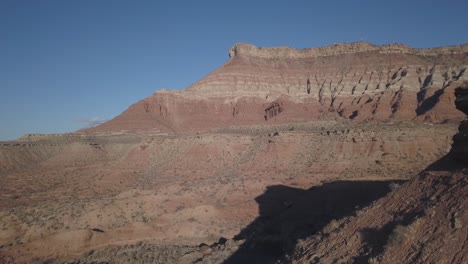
(357, 81)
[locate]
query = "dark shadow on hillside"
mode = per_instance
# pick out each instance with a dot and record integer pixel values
(447, 163)
(287, 214)
(377, 239)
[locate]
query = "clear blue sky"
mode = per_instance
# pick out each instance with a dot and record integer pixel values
(63, 63)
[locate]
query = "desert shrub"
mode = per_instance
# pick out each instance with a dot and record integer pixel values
(398, 236)
(332, 225)
(402, 233)
(394, 186)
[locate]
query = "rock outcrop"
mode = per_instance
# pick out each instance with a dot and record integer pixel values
(460, 140)
(357, 81)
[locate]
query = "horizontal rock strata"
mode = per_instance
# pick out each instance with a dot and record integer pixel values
(357, 81)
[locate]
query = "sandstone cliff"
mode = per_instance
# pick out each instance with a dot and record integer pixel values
(357, 81)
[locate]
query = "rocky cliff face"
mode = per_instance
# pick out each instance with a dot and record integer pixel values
(357, 81)
(242, 49)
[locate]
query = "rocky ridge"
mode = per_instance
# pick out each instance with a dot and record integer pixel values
(339, 49)
(356, 82)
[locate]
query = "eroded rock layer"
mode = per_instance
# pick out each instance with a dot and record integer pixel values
(357, 81)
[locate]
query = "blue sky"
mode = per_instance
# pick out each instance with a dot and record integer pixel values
(66, 63)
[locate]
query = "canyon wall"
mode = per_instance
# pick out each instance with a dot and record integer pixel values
(357, 81)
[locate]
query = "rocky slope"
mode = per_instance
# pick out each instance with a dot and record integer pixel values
(357, 81)
(423, 221)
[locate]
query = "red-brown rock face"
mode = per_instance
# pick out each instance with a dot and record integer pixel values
(357, 81)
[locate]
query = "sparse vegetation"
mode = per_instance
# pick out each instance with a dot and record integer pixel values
(402, 233)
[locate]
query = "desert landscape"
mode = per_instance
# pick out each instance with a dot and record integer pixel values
(348, 153)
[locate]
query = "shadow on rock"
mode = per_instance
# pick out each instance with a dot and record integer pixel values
(449, 162)
(288, 214)
(377, 239)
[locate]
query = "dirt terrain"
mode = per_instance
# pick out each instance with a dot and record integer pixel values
(279, 175)
(185, 190)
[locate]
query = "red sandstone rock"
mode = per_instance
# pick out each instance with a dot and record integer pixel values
(358, 81)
